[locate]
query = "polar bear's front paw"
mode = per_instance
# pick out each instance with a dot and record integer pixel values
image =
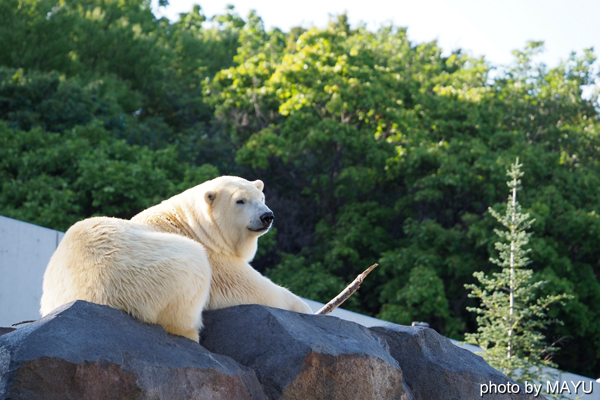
(301, 307)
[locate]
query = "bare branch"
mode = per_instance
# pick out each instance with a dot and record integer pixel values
(24, 322)
(343, 296)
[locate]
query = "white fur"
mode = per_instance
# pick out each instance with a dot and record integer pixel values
(170, 262)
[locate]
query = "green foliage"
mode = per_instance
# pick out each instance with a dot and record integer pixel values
(423, 296)
(313, 282)
(512, 318)
(392, 153)
(54, 180)
(416, 287)
(47, 101)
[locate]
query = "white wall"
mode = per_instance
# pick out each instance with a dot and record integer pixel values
(25, 250)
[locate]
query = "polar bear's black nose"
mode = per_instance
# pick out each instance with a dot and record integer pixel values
(267, 218)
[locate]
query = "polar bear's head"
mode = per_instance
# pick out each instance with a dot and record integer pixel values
(237, 213)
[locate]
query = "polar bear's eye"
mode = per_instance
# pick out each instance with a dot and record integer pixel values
(241, 201)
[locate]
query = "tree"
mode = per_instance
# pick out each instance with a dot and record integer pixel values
(57, 179)
(511, 318)
(376, 149)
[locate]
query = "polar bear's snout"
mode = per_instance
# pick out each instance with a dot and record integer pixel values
(262, 220)
(267, 219)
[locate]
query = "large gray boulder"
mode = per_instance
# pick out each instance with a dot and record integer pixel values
(89, 351)
(436, 369)
(4, 331)
(304, 357)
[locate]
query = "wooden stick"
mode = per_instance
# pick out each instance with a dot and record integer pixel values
(24, 322)
(349, 291)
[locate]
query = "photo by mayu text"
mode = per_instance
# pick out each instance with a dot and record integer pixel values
(555, 387)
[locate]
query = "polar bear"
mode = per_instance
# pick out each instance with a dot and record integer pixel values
(168, 263)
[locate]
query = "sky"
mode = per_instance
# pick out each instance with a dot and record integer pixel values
(479, 27)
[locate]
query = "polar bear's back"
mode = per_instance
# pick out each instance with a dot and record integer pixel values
(123, 264)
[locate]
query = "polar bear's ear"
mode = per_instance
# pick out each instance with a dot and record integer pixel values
(259, 184)
(209, 196)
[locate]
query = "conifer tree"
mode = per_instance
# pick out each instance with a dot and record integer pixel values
(510, 318)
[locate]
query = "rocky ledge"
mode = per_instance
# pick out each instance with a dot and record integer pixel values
(89, 351)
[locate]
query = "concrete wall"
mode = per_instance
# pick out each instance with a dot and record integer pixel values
(25, 250)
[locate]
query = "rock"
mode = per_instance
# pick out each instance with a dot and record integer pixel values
(4, 331)
(304, 357)
(88, 351)
(436, 369)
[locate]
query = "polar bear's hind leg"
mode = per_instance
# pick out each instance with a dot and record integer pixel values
(174, 279)
(157, 277)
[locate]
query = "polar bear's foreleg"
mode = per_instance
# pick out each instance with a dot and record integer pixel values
(238, 283)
